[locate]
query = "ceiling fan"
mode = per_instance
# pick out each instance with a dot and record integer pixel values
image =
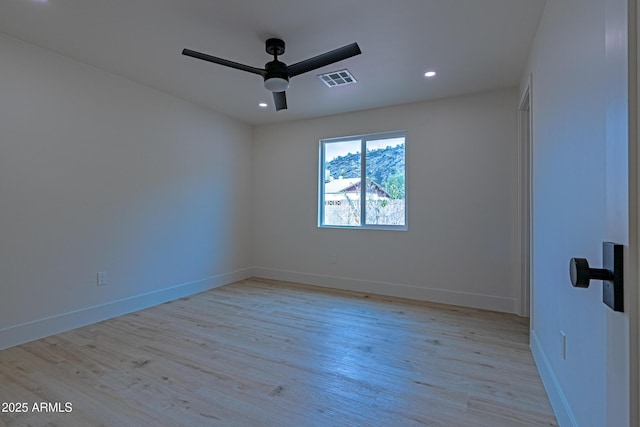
(276, 74)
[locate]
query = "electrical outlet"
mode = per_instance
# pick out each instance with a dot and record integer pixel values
(334, 259)
(563, 345)
(102, 278)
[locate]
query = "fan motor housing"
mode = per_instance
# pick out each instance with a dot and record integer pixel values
(277, 77)
(276, 69)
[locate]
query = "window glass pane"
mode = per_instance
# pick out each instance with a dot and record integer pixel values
(385, 195)
(342, 178)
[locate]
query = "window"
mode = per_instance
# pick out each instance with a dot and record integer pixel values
(362, 182)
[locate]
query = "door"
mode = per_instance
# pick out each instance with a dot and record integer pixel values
(620, 208)
(581, 196)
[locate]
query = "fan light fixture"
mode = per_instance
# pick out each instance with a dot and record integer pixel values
(276, 84)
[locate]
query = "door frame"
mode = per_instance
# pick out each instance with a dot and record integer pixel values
(634, 209)
(524, 272)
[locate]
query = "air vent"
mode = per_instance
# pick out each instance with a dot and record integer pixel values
(337, 78)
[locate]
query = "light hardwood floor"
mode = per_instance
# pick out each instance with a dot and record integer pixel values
(257, 353)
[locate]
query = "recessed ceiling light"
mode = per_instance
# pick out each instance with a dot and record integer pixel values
(430, 74)
(263, 105)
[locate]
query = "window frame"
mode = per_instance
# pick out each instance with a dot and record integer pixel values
(364, 138)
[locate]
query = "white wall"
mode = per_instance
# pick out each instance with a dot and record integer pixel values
(580, 199)
(98, 173)
(462, 201)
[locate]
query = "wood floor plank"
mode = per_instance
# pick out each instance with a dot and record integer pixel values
(261, 353)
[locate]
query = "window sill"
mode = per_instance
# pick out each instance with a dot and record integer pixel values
(367, 227)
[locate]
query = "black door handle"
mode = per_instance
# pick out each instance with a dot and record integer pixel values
(581, 274)
(611, 275)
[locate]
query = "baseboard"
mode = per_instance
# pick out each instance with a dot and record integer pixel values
(486, 302)
(554, 391)
(19, 334)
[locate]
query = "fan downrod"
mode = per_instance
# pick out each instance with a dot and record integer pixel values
(274, 47)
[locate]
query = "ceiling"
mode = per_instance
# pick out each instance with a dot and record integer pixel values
(474, 45)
